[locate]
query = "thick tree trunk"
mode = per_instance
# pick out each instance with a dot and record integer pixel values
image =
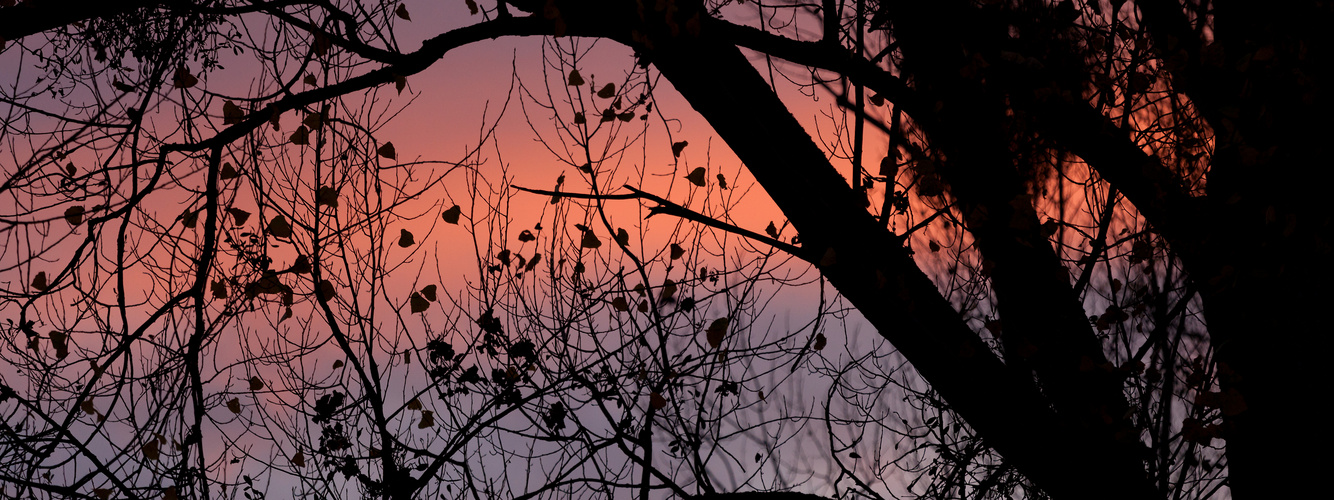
(872, 270)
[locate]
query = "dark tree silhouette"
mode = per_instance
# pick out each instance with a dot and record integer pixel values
(1097, 237)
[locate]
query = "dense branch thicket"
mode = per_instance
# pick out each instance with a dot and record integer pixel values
(1026, 248)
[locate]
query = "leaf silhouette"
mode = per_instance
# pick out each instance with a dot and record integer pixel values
(452, 215)
(39, 281)
(102, 493)
(526, 236)
(771, 230)
(256, 384)
(716, 332)
(301, 136)
(151, 451)
(405, 238)
(310, 80)
(696, 176)
(620, 304)
(429, 292)
(238, 215)
(338, 363)
(575, 79)
(327, 290)
(533, 263)
(608, 91)
(579, 118)
(472, 6)
(656, 401)
(820, 342)
(326, 196)
(74, 215)
(419, 303)
(622, 237)
(313, 121)
(234, 406)
(677, 147)
(228, 172)
(299, 459)
(590, 240)
(387, 151)
(88, 407)
(668, 290)
(722, 181)
(415, 404)
(60, 341)
(231, 113)
(279, 227)
(183, 79)
(402, 12)
(190, 219)
(400, 82)
(428, 419)
(677, 251)
(219, 289)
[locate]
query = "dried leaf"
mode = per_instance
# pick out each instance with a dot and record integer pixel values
(820, 342)
(656, 401)
(579, 118)
(279, 227)
(183, 79)
(327, 290)
(102, 493)
(608, 91)
(231, 113)
(722, 181)
(405, 238)
(88, 407)
(256, 384)
(219, 289)
(400, 82)
(575, 79)
(696, 176)
(338, 363)
(429, 292)
(169, 493)
(313, 121)
(418, 303)
(590, 240)
(677, 251)
(301, 136)
(310, 80)
(526, 236)
(326, 196)
(151, 451)
(472, 6)
(771, 230)
(74, 215)
(238, 215)
(716, 332)
(668, 290)
(620, 304)
(622, 237)
(452, 215)
(299, 459)
(387, 151)
(190, 219)
(428, 419)
(402, 12)
(677, 147)
(60, 341)
(228, 172)
(39, 281)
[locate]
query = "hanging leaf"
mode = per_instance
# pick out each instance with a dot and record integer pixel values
(878, 100)
(301, 136)
(39, 281)
(74, 215)
(279, 227)
(151, 451)
(70, 170)
(575, 79)
(326, 196)
(402, 12)
(415, 404)
(590, 240)
(228, 172)
(183, 79)
(933, 246)
(299, 459)
(533, 262)
(169, 493)
(327, 290)
(301, 265)
(696, 176)
(656, 401)
(239, 216)
(234, 406)
(622, 237)
(219, 289)
(256, 384)
(620, 304)
(643, 306)
(722, 181)
(60, 341)
(190, 219)
(579, 118)
(429, 292)
(716, 332)
(419, 303)
(387, 151)
(668, 290)
(405, 238)
(526, 236)
(400, 82)
(472, 6)
(231, 113)
(88, 407)
(820, 342)
(677, 251)
(677, 147)
(428, 419)
(338, 364)
(310, 80)
(452, 215)
(102, 493)
(608, 91)
(607, 115)
(626, 116)
(313, 121)
(771, 230)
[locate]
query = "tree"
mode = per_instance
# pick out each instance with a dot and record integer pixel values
(1128, 125)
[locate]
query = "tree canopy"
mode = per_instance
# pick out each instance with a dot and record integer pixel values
(1087, 241)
